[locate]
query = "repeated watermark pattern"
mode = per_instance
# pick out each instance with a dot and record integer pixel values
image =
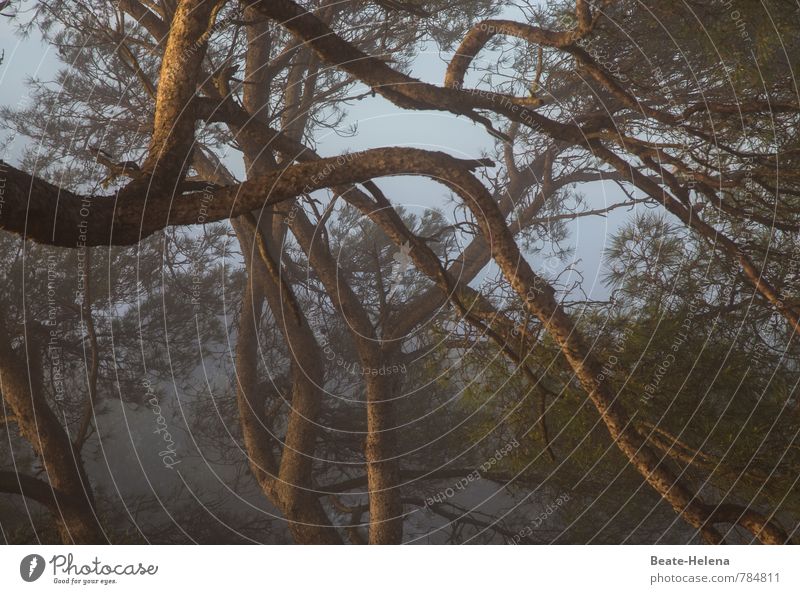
(539, 520)
(168, 455)
(473, 476)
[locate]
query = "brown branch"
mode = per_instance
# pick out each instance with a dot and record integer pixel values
(462, 515)
(91, 378)
(409, 476)
(147, 19)
(23, 393)
(764, 528)
(53, 499)
(44, 213)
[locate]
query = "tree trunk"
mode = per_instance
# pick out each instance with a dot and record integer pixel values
(292, 489)
(383, 469)
(539, 298)
(73, 500)
(380, 450)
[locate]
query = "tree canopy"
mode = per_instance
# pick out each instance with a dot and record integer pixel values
(219, 286)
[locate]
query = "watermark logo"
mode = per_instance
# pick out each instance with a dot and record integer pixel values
(31, 567)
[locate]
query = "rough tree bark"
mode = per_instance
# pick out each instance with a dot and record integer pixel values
(71, 500)
(383, 471)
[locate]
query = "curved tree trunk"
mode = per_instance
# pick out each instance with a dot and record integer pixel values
(539, 298)
(383, 468)
(291, 489)
(73, 502)
(288, 483)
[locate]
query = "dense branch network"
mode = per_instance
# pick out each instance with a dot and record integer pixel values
(159, 195)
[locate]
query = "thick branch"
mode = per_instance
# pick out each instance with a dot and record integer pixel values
(35, 489)
(44, 213)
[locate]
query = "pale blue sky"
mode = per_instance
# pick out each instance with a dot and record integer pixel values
(379, 124)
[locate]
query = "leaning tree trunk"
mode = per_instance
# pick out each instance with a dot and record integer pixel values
(380, 448)
(539, 298)
(72, 501)
(308, 522)
(291, 488)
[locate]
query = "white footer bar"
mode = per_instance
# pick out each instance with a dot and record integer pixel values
(389, 570)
